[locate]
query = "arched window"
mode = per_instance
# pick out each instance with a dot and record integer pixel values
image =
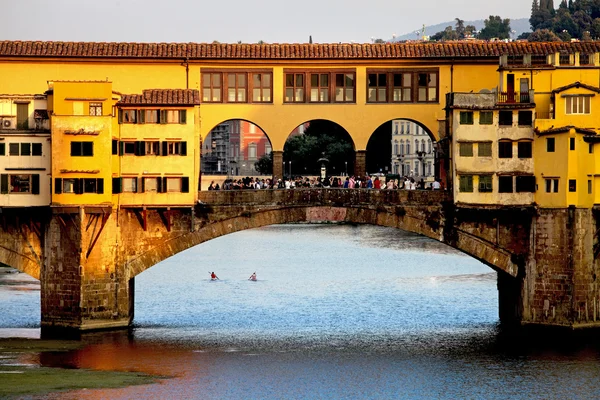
(252, 151)
(395, 147)
(402, 147)
(423, 145)
(416, 145)
(429, 146)
(395, 128)
(407, 147)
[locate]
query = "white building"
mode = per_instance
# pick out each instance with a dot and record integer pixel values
(412, 151)
(25, 153)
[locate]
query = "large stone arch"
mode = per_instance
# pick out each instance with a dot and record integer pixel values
(21, 243)
(428, 220)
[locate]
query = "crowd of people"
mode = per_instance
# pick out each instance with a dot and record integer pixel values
(349, 182)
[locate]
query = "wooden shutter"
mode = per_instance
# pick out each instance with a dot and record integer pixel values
(182, 116)
(185, 184)
(142, 184)
(115, 147)
(35, 184)
(120, 116)
(136, 148)
(159, 185)
(117, 184)
(141, 148)
(141, 116)
(4, 183)
(164, 184)
(121, 148)
(184, 148)
(2, 149)
(165, 148)
(163, 116)
(100, 185)
(57, 185)
(78, 186)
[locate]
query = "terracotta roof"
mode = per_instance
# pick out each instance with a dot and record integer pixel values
(193, 51)
(163, 97)
(576, 85)
(565, 129)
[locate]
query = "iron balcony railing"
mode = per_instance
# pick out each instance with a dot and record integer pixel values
(514, 97)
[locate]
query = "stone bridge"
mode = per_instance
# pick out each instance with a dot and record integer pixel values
(87, 257)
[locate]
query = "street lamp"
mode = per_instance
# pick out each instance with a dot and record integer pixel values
(290, 169)
(346, 163)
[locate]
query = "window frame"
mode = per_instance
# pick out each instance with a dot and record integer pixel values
(465, 149)
(502, 184)
(240, 88)
(524, 151)
(465, 183)
(505, 149)
(332, 89)
(319, 88)
(466, 118)
(570, 105)
(480, 146)
(550, 145)
(503, 121)
(483, 121)
(489, 186)
(94, 108)
(78, 148)
(210, 86)
(525, 118)
(380, 91)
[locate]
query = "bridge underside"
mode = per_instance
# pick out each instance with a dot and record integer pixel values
(88, 258)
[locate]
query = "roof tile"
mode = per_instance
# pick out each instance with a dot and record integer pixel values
(187, 97)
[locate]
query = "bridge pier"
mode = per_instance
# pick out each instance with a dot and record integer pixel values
(360, 163)
(82, 285)
(277, 164)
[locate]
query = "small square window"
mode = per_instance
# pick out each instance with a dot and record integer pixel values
(466, 183)
(466, 149)
(524, 149)
(486, 117)
(130, 185)
(505, 184)
(572, 185)
(13, 149)
(485, 183)
(484, 149)
(525, 183)
(466, 117)
(589, 186)
(36, 149)
(550, 145)
(505, 118)
(572, 143)
(525, 118)
(505, 149)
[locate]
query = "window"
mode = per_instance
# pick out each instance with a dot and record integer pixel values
(466, 149)
(25, 149)
(173, 185)
(524, 149)
(130, 185)
(129, 116)
(525, 118)
(466, 183)
(151, 116)
(150, 185)
(572, 143)
(96, 109)
(2, 149)
(466, 117)
(505, 149)
(589, 186)
(79, 185)
(68, 185)
(551, 185)
(89, 185)
(486, 117)
(485, 183)
(572, 185)
(294, 88)
(590, 148)
(82, 149)
(36, 149)
(252, 151)
(212, 86)
(344, 87)
(152, 148)
(20, 183)
(427, 87)
(262, 87)
(525, 183)
(402, 87)
(395, 148)
(13, 149)
(319, 88)
(237, 87)
(174, 148)
(402, 147)
(484, 149)
(505, 118)
(505, 184)
(377, 88)
(173, 116)
(577, 104)
(550, 145)
(129, 148)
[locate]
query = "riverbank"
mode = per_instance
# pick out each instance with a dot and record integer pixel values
(22, 375)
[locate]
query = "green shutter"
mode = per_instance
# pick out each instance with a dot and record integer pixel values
(100, 185)
(35, 184)
(136, 148)
(117, 184)
(141, 116)
(115, 147)
(165, 148)
(2, 149)
(120, 116)
(141, 148)
(182, 116)
(159, 185)
(163, 116)
(4, 183)
(78, 186)
(142, 184)
(121, 148)
(164, 184)
(185, 184)
(184, 148)
(57, 185)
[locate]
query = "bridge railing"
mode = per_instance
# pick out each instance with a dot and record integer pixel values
(328, 197)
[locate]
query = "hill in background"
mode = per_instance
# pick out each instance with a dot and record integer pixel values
(519, 25)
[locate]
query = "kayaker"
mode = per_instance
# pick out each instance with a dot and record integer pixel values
(252, 277)
(213, 276)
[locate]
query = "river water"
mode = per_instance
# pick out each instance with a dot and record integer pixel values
(338, 312)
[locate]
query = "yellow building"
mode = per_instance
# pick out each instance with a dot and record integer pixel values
(157, 145)
(81, 129)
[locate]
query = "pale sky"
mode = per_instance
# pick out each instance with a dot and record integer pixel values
(273, 21)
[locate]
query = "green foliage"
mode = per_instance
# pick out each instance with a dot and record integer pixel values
(495, 27)
(264, 165)
(543, 35)
(573, 19)
(320, 138)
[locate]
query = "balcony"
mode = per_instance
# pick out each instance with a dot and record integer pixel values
(515, 97)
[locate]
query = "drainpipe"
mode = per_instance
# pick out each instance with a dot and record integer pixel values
(187, 72)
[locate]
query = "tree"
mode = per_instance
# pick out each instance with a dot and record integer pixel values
(543, 35)
(495, 27)
(470, 30)
(378, 41)
(460, 28)
(541, 17)
(264, 165)
(446, 34)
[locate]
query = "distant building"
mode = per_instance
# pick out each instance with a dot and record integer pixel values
(412, 151)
